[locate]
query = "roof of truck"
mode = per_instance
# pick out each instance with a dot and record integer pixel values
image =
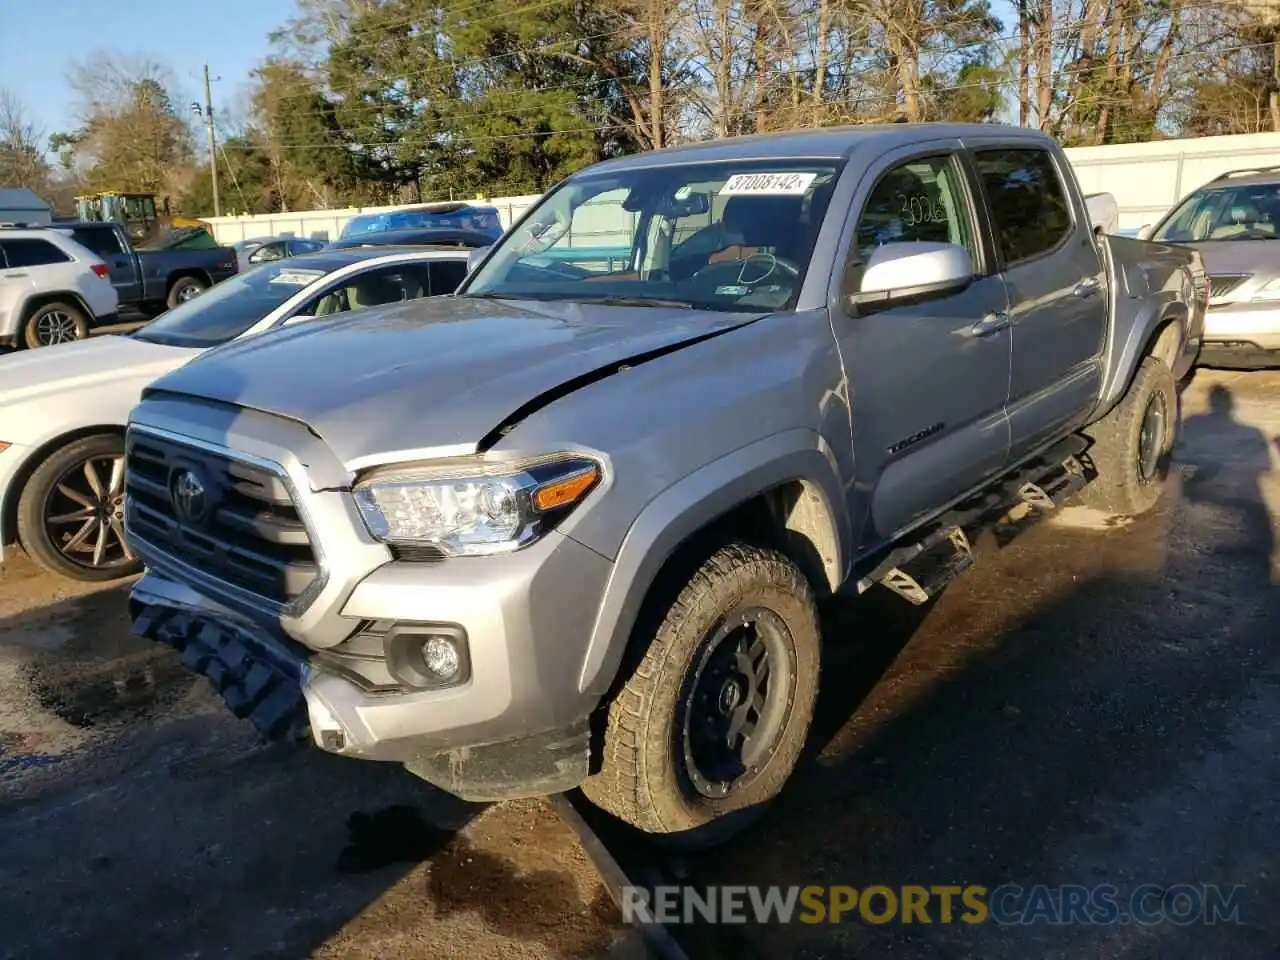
(833, 142)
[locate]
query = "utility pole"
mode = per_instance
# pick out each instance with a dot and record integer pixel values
(213, 143)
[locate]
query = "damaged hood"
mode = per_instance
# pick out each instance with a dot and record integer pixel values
(430, 374)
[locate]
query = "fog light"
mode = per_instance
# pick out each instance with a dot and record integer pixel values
(426, 655)
(441, 657)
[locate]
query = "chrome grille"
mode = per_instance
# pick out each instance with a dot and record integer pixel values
(242, 528)
(1223, 283)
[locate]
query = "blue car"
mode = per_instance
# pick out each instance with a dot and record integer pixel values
(463, 216)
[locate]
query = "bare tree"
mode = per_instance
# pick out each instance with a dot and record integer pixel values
(22, 159)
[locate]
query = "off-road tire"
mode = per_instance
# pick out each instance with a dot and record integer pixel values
(31, 326)
(179, 292)
(32, 533)
(643, 779)
(1119, 487)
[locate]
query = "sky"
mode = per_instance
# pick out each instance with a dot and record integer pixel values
(41, 39)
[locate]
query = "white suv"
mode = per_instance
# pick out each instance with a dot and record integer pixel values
(51, 288)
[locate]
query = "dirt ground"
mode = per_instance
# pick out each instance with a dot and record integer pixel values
(1091, 703)
(139, 819)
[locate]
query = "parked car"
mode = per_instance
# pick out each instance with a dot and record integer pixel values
(62, 412)
(570, 527)
(1234, 222)
(250, 253)
(52, 289)
(150, 281)
(425, 237)
(425, 216)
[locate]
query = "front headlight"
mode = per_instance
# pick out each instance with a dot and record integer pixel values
(1268, 291)
(470, 507)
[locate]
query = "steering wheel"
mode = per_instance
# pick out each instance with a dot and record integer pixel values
(748, 271)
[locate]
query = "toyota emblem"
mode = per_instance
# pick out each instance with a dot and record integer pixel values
(190, 500)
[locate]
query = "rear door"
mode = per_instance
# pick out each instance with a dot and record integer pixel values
(1057, 294)
(929, 378)
(106, 244)
(14, 287)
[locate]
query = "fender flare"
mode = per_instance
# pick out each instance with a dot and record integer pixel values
(1130, 342)
(688, 506)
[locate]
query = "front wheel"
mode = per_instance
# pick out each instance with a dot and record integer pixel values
(708, 727)
(1131, 444)
(184, 289)
(55, 323)
(71, 511)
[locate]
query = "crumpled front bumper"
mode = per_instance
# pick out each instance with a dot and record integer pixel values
(260, 679)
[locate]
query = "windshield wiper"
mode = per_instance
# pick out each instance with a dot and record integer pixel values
(620, 301)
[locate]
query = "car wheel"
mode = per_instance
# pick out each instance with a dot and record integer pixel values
(55, 323)
(709, 725)
(184, 289)
(71, 511)
(1131, 444)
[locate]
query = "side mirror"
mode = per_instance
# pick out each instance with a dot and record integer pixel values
(1145, 232)
(918, 270)
(476, 255)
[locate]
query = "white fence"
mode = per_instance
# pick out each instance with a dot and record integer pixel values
(1149, 178)
(1145, 178)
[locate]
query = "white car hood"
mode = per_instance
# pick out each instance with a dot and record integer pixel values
(87, 381)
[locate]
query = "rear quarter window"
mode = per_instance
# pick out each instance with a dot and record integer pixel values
(104, 243)
(1029, 205)
(32, 253)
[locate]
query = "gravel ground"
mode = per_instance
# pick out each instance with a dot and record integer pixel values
(1091, 703)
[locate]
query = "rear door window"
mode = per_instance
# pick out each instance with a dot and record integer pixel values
(446, 275)
(32, 253)
(1029, 205)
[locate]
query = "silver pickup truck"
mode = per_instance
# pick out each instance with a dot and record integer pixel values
(570, 527)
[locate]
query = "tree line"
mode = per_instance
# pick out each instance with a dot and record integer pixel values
(380, 101)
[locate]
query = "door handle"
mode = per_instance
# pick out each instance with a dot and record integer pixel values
(1087, 287)
(991, 323)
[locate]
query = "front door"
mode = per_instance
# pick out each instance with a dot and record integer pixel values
(928, 379)
(1057, 293)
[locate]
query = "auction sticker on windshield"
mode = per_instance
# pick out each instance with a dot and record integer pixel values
(773, 184)
(297, 278)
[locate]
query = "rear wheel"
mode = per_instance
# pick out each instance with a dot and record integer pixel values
(706, 730)
(71, 511)
(55, 323)
(1131, 444)
(184, 289)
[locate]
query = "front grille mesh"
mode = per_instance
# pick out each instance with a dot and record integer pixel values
(250, 534)
(1223, 284)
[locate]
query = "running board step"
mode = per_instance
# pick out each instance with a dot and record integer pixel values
(926, 574)
(1042, 484)
(1055, 488)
